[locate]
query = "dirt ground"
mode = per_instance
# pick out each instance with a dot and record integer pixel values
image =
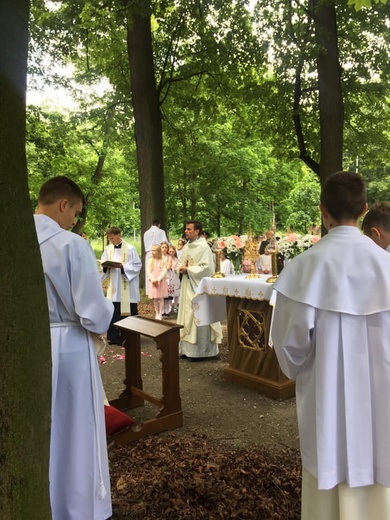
(220, 410)
(236, 455)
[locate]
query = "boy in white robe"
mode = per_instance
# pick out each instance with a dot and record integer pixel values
(331, 334)
(195, 262)
(376, 224)
(79, 478)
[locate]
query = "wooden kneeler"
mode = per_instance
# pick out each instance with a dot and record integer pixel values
(170, 415)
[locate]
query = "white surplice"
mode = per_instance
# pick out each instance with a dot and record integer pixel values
(330, 330)
(196, 342)
(131, 268)
(79, 477)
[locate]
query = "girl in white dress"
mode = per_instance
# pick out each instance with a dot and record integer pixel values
(168, 264)
(174, 280)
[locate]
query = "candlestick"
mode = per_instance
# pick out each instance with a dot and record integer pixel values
(274, 267)
(218, 273)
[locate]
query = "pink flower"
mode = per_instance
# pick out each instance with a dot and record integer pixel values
(315, 239)
(292, 237)
(221, 244)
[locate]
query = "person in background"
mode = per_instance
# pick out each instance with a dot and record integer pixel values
(268, 239)
(154, 235)
(79, 478)
(246, 265)
(206, 236)
(173, 280)
(157, 275)
(330, 331)
(123, 281)
(195, 262)
(376, 224)
(180, 244)
(226, 265)
(167, 259)
(263, 264)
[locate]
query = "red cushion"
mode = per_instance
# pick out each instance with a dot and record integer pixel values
(116, 420)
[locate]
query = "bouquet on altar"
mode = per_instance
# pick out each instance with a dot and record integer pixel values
(293, 244)
(232, 246)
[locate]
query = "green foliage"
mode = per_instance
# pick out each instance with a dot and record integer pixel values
(225, 80)
(301, 208)
(71, 145)
(359, 4)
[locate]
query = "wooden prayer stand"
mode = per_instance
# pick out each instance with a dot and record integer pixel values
(170, 415)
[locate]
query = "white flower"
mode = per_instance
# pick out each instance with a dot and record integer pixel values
(292, 245)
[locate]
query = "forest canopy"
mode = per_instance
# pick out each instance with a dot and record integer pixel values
(237, 87)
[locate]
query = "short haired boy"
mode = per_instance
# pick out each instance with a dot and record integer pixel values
(376, 224)
(79, 478)
(330, 332)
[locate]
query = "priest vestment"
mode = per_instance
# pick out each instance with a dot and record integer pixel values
(123, 283)
(196, 342)
(330, 331)
(79, 477)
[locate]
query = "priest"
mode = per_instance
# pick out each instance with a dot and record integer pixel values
(123, 280)
(196, 261)
(78, 474)
(330, 330)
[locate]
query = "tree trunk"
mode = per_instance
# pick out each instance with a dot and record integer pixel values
(25, 367)
(147, 116)
(330, 93)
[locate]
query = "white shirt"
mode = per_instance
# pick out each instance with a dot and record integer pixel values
(154, 235)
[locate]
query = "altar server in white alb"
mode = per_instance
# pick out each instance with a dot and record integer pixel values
(79, 478)
(376, 224)
(152, 237)
(123, 282)
(330, 330)
(196, 261)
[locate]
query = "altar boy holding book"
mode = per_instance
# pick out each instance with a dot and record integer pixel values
(331, 334)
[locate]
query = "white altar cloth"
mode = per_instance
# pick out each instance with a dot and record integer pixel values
(209, 302)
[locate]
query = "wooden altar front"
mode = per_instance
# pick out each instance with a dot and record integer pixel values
(245, 304)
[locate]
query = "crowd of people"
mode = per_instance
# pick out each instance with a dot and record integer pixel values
(330, 335)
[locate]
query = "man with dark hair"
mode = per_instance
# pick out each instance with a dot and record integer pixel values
(195, 262)
(331, 334)
(152, 237)
(376, 224)
(269, 235)
(123, 280)
(79, 478)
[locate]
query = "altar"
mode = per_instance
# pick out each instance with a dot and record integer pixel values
(244, 302)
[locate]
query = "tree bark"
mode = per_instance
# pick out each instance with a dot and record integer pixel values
(330, 93)
(25, 367)
(147, 115)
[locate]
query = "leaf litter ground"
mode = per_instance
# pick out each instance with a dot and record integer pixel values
(236, 455)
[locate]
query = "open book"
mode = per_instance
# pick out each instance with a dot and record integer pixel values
(109, 263)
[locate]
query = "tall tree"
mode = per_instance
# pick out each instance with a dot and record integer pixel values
(330, 97)
(147, 116)
(25, 368)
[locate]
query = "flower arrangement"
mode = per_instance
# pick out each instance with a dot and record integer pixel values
(292, 244)
(233, 247)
